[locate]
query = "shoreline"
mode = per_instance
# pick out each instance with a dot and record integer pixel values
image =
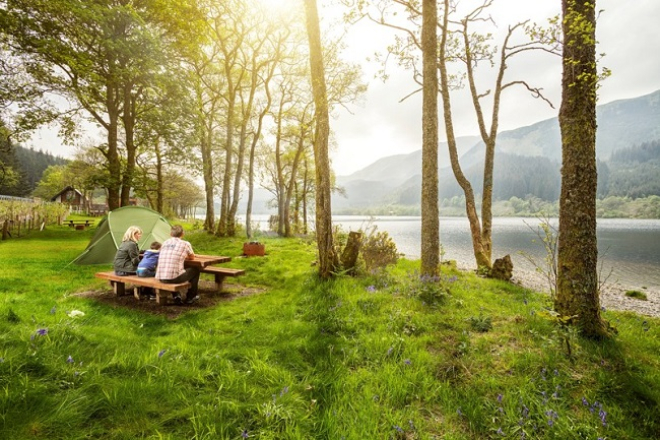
(612, 295)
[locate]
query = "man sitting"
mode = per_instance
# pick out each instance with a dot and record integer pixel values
(173, 253)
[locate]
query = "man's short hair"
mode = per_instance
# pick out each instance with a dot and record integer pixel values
(155, 245)
(177, 231)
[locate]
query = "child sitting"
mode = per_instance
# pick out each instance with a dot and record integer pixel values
(147, 266)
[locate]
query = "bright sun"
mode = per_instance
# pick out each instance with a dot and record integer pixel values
(280, 5)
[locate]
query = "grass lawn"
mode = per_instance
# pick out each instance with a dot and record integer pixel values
(284, 356)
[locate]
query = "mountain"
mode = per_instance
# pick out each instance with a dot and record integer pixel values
(527, 160)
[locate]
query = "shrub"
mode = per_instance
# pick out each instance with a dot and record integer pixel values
(636, 294)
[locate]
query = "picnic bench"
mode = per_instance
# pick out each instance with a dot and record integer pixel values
(220, 273)
(163, 290)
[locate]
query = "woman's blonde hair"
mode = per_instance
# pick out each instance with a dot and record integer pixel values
(131, 233)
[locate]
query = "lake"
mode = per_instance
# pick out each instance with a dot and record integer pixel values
(628, 248)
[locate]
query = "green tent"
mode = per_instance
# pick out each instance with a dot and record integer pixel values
(103, 246)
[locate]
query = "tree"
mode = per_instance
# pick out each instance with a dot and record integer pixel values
(577, 281)
(430, 216)
(328, 259)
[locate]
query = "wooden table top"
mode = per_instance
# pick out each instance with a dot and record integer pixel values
(206, 260)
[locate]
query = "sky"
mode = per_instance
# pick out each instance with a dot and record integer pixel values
(379, 125)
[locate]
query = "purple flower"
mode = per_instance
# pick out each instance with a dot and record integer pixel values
(53, 310)
(69, 360)
(162, 352)
(407, 362)
(585, 402)
(602, 414)
(245, 434)
(42, 331)
(284, 391)
(398, 428)
(371, 288)
(499, 398)
(390, 350)
(499, 431)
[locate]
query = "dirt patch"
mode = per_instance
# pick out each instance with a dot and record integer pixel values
(208, 298)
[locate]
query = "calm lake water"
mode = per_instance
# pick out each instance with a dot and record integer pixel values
(628, 248)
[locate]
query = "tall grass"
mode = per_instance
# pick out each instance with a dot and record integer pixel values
(375, 357)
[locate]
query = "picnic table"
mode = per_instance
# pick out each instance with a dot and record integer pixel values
(203, 262)
(79, 224)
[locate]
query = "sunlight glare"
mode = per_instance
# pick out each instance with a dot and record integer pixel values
(279, 6)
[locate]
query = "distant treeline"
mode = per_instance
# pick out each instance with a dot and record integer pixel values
(610, 207)
(28, 165)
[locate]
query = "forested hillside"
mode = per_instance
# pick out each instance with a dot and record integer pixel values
(527, 164)
(28, 165)
(633, 172)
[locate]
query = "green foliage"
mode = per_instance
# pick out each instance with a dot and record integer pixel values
(378, 249)
(481, 323)
(636, 294)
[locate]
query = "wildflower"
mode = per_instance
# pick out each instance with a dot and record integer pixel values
(53, 310)
(398, 429)
(525, 411)
(602, 414)
(42, 331)
(390, 350)
(245, 434)
(371, 288)
(499, 398)
(499, 431)
(162, 352)
(412, 425)
(585, 402)
(556, 373)
(69, 360)
(525, 301)
(76, 374)
(284, 391)
(407, 362)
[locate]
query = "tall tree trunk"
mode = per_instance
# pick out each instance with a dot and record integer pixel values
(470, 205)
(328, 259)
(577, 283)
(430, 235)
(128, 118)
(159, 177)
(112, 153)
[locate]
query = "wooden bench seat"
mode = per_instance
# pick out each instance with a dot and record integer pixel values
(162, 297)
(220, 273)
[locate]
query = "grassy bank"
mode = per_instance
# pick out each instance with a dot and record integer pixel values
(287, 357)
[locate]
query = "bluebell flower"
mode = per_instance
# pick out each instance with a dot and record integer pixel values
(162, 352)
(245, 434)
(499, 431)
(69, 360)
(602, 414)
(53, 310)
(42, 331)
(499, 398)
(398, 428)
(407, 362)
(390, 350)
(284, 391)
(371, 288)
(585, 402)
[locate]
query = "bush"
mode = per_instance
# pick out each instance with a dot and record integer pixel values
(378, 249)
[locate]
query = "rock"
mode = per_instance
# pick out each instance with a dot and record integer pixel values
(502, 268)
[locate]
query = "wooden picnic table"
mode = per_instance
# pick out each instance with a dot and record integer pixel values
(79, 224)
(203, 261)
